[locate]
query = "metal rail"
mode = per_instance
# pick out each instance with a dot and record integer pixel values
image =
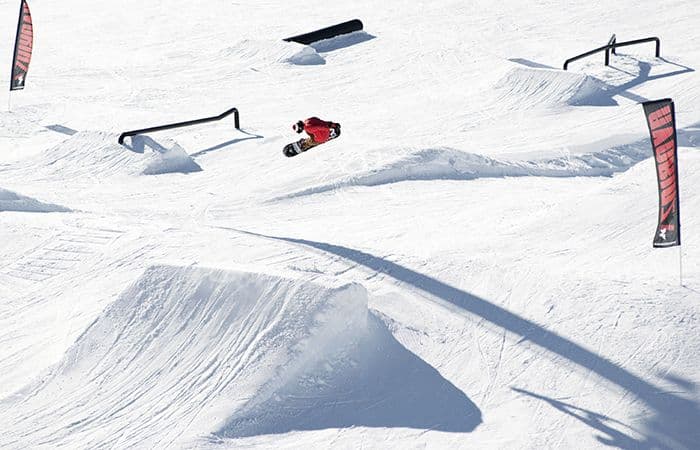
(640, 41)
(611, 46)
(188, 123)
(604, 48)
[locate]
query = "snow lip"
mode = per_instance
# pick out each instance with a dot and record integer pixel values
(525, 88)
(307, 56)
(11, 201)
(166, 157)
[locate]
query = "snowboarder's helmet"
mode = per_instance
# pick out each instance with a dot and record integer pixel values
(298, 127)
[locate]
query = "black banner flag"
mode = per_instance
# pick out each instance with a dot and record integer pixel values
(662, 128)
(23, 48)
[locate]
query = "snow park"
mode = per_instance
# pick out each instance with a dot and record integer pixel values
(349, 225)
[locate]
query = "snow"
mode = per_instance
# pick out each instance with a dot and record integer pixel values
(11, 201)
(452, 164)
(468, 266)
(528, 88)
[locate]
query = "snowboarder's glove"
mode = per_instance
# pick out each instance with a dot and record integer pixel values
(298, 127)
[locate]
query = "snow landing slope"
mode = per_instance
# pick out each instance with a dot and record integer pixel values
(182, 351)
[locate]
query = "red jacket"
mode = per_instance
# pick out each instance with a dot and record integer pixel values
(318, 129)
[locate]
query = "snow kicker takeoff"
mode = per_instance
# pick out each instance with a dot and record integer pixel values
(319, 131)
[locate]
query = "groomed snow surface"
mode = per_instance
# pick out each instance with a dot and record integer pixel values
(468, 266)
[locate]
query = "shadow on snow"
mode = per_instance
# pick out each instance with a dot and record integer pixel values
(674, 421)
(643, 77)
(340, 42)
(385, 386)
(226, 144)
(606, 425)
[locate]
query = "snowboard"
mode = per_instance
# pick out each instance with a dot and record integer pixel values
(302, 145)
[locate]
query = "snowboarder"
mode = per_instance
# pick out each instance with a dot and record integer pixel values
(319, 131)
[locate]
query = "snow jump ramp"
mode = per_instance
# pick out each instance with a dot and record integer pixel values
(179, 352)
(525, 88)
(190, 355)
(97, 154)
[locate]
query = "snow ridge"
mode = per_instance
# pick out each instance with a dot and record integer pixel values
(445, 163)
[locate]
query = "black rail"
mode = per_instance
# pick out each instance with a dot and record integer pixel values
(188, 123)
(605, 48)
(327, 33)
(611, 46)
(640, 41)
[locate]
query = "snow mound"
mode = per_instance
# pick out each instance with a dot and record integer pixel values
(10, 201)
(451, 164)
(163, 158)
(307, 56)
(526, 88)
(182, 345)
(98, 154)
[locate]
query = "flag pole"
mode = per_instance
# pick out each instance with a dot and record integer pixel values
(14, 54)
(680, 264)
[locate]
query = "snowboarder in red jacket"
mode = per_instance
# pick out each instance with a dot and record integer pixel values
(319, 131)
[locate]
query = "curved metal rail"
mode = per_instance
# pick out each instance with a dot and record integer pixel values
(188, 123)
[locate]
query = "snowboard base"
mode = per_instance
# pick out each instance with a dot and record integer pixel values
(303, 145)
(297, 147)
